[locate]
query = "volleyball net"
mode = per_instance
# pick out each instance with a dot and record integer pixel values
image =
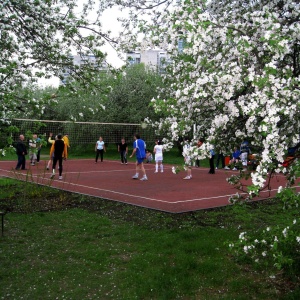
(85, 132)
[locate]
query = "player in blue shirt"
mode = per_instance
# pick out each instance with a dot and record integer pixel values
(139, 149)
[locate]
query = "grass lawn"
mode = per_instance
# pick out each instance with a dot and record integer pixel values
(59, 245)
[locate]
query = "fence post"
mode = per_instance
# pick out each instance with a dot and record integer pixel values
(2, 213)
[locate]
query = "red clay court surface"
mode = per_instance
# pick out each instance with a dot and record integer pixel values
(163, 191)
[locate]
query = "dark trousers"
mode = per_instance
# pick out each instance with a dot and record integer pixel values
(123, 157)
(221, 158)
(59, 160)
(99, 152)
(212, 165)
(38, 155)
(21, 162)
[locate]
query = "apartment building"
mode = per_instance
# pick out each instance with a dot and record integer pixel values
(81, 60)
(155, 59)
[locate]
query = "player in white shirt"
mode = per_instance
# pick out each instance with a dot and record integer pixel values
(158, 151)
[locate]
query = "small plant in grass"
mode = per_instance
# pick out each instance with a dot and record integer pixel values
(278, 247)
(275, 246)
(289, 197)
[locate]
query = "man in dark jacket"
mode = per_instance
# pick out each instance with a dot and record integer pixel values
(59, 152)
(21, 152)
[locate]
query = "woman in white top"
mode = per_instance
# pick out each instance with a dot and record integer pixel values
(158, 151)
(99, 148)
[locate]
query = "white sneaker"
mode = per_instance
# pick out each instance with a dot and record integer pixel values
(227, 168)
(187, 177)
(135, 177)
(60, 177)
(155, 171)
(161, 171)
(234, 169)
(144, 178)
(216, 168)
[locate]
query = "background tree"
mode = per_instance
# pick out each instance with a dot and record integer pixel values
(126, 98)
(131, 94)
(38, 39)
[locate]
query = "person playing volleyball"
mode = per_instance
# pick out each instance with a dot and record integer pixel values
(123, 150)
(158, 151)
(99, 149)
(139, 149)
(59, 153)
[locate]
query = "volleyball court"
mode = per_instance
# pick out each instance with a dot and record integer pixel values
(113, 181)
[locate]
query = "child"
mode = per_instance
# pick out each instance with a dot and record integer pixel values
(158, 151)
(148, 156)
(235, 159)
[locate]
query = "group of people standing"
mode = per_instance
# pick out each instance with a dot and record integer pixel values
(35, 145)
(139, 150)
(238, 155)
(58, 152)
(60, 145)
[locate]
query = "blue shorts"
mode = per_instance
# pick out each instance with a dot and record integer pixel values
(139, 160)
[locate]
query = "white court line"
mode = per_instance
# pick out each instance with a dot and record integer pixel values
(130, 195)
(208, 198)
(120, 193)
(139, 197)
(89, 187)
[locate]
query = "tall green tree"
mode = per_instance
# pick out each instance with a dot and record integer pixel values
(131, 95)
(38, 38)
(126, 98)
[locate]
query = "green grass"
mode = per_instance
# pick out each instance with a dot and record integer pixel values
(59, 245)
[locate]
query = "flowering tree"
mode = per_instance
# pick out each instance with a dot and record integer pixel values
(38, 38)
(237, 77)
